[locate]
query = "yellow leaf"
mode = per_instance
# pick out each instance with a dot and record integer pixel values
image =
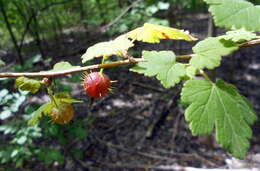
(113, 47)
(152, 33)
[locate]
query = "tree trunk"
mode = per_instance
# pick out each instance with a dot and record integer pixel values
(35, 30)
(82, 10)
(9, 27)
(101, 12)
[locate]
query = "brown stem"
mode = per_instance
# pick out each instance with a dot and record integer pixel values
(249, 43)
(184, 57)
(70, 71)
(108, 65)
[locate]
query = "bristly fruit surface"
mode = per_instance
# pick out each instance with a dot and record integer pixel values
(97, 85)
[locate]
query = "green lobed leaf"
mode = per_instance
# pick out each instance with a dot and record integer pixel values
(43, 110)
(235, 14)
(27, 84)
(238, 35)
(191, 71)
(163, 65)
(19, 81)
(220, 106)
(2, 63)
(114, 47)
(66, 98)
(208, 52)
(46, 109)
(63, 66)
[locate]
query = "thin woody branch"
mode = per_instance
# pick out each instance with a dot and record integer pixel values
(70, 71)
(250, 43)
(108, 65)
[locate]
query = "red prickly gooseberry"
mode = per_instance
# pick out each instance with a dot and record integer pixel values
(97, 85)
(63, 113)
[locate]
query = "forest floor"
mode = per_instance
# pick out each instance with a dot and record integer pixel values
(141, 126)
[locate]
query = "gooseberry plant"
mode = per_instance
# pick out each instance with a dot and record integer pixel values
(212, 105)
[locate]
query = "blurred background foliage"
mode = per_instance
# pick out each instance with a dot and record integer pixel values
(23, 21)
(39, 22)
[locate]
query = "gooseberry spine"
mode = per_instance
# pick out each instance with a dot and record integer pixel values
(97, 84)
